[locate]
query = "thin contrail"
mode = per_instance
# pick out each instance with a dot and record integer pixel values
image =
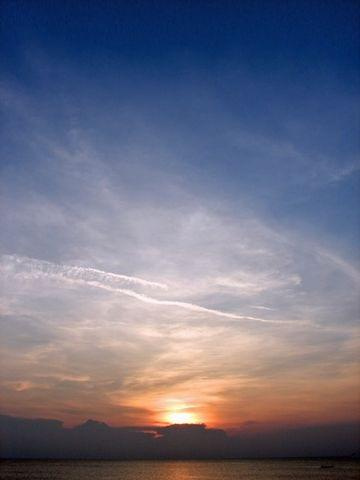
(105, 280)
(32, 265)
(175, 303)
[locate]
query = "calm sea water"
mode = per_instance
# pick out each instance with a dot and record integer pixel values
(181, 470)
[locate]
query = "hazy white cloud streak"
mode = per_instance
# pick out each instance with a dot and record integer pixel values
(33, 268)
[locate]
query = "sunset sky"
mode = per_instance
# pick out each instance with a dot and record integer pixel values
(180, 217)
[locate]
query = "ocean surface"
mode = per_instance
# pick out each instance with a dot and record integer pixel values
(181, 470)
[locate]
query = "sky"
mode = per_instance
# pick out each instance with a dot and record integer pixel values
(180, 212)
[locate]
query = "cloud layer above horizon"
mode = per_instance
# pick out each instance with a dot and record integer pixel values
(179, 233)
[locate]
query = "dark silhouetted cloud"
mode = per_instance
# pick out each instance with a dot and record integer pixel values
(39, 438)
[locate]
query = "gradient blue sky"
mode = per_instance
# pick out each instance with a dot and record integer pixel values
(207, 153)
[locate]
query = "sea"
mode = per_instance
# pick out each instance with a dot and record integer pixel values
(312, 469)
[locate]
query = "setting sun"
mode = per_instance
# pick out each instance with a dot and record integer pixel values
(181, 417)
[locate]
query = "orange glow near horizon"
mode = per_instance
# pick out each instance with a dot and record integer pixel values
(179, 412)
(179, 417)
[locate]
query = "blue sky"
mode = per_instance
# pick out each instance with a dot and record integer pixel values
(211, 148)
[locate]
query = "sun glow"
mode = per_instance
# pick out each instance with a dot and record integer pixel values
(181, 417)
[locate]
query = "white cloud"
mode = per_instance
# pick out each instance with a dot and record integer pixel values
(32, 269)
(190, 258)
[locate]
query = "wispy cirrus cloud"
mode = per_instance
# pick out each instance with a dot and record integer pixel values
(30, 268)
(218, 302)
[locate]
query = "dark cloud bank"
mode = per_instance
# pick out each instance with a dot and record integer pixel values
(39, 438)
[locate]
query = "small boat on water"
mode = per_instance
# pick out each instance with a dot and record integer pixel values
(326, 466)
